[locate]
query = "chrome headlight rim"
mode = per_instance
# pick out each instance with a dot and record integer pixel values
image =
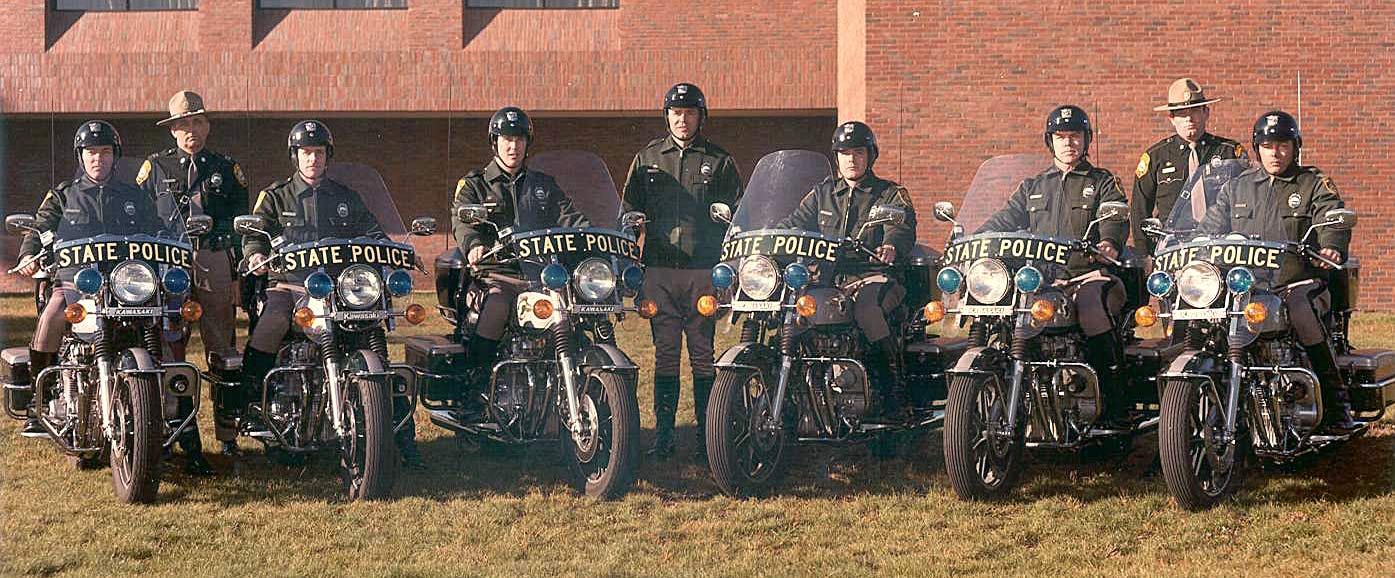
(594, 279)
(133, 282)
(759, 275)
(988, 281)
(1199, 284)
(359, 287)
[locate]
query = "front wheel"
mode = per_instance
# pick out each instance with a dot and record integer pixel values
(604, 457)
(367, 456)
(982, 463)
(135, 447)
(743, 453)
(1199, 468)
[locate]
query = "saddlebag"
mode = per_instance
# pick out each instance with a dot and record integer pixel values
(926, 362)
(440, 364)
(1372, 376)
(1345, 286)
(14, 376)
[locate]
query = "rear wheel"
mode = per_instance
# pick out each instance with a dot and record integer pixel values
(744, 455)
(135, 449)
(606, 454)
(982, 463)
(1200, 470)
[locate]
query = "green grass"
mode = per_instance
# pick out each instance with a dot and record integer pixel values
(509, 512)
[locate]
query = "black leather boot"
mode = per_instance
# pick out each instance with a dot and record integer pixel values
(665, 410)
(38, 361)
(1336, 409)
(406, 438)
(255, 365)
(1105, 355)
(702, 389)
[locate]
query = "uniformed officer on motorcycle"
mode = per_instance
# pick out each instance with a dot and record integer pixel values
(95, 202)
(1278, 201)
(1061, 202)
(519, 198)
(304, 207)
(837, 207)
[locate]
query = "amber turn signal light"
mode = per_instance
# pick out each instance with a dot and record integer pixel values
(806, 306)
(1256, 313)
(935, 311)
(304, 317)
(1043, 310)
(415, 314)
(1145, 316)
(707, 305)
(74, 313)
(648, 308)
(191, 311)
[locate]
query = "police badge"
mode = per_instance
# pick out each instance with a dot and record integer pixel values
(1088, 191)
(540, 194)
(130, 209)
(706, 170)
(1293, 201)
(343, 210)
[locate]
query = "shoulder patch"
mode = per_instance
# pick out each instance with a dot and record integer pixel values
(1326, 184)
(1142, 169)
(257, 206)
(241, 177)
(144, 174)
(1240, 152)
(459, 186)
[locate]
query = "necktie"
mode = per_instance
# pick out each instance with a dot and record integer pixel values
(195, 200)
(1198, 192)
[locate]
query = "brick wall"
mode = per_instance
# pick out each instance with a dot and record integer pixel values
(951, 84)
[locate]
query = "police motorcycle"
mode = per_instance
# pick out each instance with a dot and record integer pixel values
(560, 377)
(103, 400)
(333, 385)
(797, 374)
(1024, 382)
(1244, 388)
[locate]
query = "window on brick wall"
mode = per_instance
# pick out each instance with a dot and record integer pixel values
(332, 4)
(542, 3)
(123, 5)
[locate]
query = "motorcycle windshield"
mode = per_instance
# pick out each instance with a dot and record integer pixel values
(586, 180)
(994, 182)
(117, 221)
(778, 183)
(374, 193)
(1182, 225)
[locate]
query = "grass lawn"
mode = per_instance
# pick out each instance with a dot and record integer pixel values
(509, 512)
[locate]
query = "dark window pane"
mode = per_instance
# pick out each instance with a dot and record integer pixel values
(370, 3)
(542, 3)
(89, 5)
(296, 3)
(344, 4)
(122, 5)
(164, 4)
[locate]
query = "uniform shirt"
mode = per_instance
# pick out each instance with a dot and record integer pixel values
(84, 208)
(1161, 174)
(299, 213)
(1279, 208)
(218, 180)
(835, 209)
(674, 186)
(1057, 204)
(527, 201)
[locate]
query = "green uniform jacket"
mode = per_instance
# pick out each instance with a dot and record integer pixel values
(84, 208)
(1161, 174)
(527, 201)
(674, 186)
(223, 196)
(835, 209)
(1279, 208)
(1058, 205)
(297, 213)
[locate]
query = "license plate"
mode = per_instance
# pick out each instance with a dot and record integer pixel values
(1189, 314)
(360, 315)
(134, 311)
(986, 310)
(582, 308)
(755, 306)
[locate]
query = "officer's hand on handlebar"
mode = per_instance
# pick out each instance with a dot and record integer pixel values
(1106, 249)
(30, 268)
(886, 254)
(1331, 255)
(259, 261)
(476, 253)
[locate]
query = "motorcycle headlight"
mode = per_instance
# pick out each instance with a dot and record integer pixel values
(759, 275)
(723, 276)
(1159, 284)
(133, 282)
(949, 280)
(1199, 284)
(319, 285)
(176, 281)
(988, 281)
(595, 280)
(399, 283)
(1028, 279)
(360, 287)
(88, 281)
(796, 276)
(1239, 280)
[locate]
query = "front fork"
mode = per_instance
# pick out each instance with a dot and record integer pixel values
(562, 338)
(786, 364)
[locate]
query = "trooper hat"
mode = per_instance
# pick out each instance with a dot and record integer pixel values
(1185, 93)
(184, 103)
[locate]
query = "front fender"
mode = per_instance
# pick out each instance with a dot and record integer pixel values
(607, 356)
(978, 360)
(1194, 362)
(748, 354)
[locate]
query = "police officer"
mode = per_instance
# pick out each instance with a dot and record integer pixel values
(521, 198)
(673, 180)
(837, 207)
(93, 203)
(1165, 167)
(1061, 202)
(197, 181)
(305, 207)
(1279, 200)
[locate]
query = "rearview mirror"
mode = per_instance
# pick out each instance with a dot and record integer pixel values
(944, 211)
(1113, 211)
(633, 219)
(249, 225)
(472, 214)
(19, 223)
(887, 214)
(423, 226)
(720, 213)
(1340, 219)
(198, 225)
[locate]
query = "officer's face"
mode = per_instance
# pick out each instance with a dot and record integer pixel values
(190, 133)
(683, 122)
(852, 163)
(311, 160)
(511, 150)
(1276, 156)
(1190, 123)
(97, 162)
(1068, 145)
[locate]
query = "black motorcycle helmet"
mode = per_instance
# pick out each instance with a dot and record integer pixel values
(510, 121)
(1068, 118)
(686, 95)
(309, 133)
(854, 134)
(1276, 125)
(94, 133)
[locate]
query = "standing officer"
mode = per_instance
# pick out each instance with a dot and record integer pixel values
(201, 182)
(1278, 201)
(1165, 167)
(521, 198)
(305, 207)
(89, 205)
(673, 180)
(1061, 202)
(837, 207)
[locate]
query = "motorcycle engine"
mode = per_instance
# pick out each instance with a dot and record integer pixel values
(1295, 396)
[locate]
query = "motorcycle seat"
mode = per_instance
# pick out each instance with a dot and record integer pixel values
(1379, 364)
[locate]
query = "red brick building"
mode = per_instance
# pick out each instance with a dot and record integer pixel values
(946, 84)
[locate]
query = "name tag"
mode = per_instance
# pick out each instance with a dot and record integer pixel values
(1168, 170)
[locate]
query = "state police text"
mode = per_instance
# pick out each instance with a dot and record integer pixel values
(1253, 256)
(578, 242)
(1008, 248)
(396, 257)
(88, 253)
(781, 246)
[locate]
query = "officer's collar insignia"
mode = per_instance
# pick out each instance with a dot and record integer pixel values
(343, 210)
(1088, 192)
(130, 208)
(1294, 200)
